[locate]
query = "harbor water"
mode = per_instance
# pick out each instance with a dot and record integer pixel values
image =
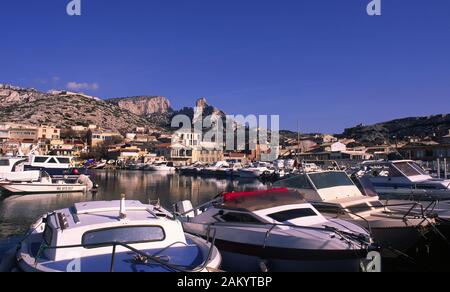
(17, 213)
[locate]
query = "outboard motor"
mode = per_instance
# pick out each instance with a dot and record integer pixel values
(183, 207)
(85, 180)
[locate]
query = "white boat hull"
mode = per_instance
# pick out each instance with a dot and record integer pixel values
(25, 188)
(247, 252)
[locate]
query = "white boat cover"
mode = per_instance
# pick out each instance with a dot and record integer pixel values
(21, 176)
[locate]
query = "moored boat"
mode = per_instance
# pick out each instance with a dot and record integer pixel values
(404, 180)
(36, 182)
(164, 166)
(335, 195)
(256, 170)
(120, 236)
(275, 230)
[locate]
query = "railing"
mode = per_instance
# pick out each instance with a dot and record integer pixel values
(142, 256)
(360, 238)
(196, 209)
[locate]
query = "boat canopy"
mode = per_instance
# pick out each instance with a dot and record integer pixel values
(22, 176)
(398, 168)
(259, 200)
(322, 186)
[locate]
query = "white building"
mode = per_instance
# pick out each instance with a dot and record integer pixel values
(338, 147)
(187, 138)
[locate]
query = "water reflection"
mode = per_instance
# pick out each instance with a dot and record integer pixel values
(17, 213)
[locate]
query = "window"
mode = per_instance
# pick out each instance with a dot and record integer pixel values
(292, 214)
(48, 235)
(4, 162)
(329, 208)
(40, 159)
(325, 180)
(359, 208)
(239, 218)
(296, 182)
(126, 235)
(64, 160)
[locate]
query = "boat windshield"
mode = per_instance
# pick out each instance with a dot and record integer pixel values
(295, 182)
(330, 179)
(126, 235)
(289, 215)
(409, 168)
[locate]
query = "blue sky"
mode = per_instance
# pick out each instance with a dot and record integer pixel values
(322, 62)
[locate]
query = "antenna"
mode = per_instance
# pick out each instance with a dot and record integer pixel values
(123, 211)
(298, 141)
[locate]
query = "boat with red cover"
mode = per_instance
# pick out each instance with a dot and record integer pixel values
(276, 230)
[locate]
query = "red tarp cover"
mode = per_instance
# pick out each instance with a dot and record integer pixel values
(232, 196)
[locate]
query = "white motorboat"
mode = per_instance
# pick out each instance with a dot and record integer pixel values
(256, 170)
(335, 195)
(100, 165)
(119, 236)
(309, 167)
(164, 166)
(275, 230)
(35, 182)
(228, 170)
(213, 169)
(404, 180)
(192, 169)
(439, 211)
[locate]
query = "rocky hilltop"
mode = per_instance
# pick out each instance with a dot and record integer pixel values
(65, 109)
(201, 111)
(421, 127)
(157, 109)
(12, 95)
(143, 105)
